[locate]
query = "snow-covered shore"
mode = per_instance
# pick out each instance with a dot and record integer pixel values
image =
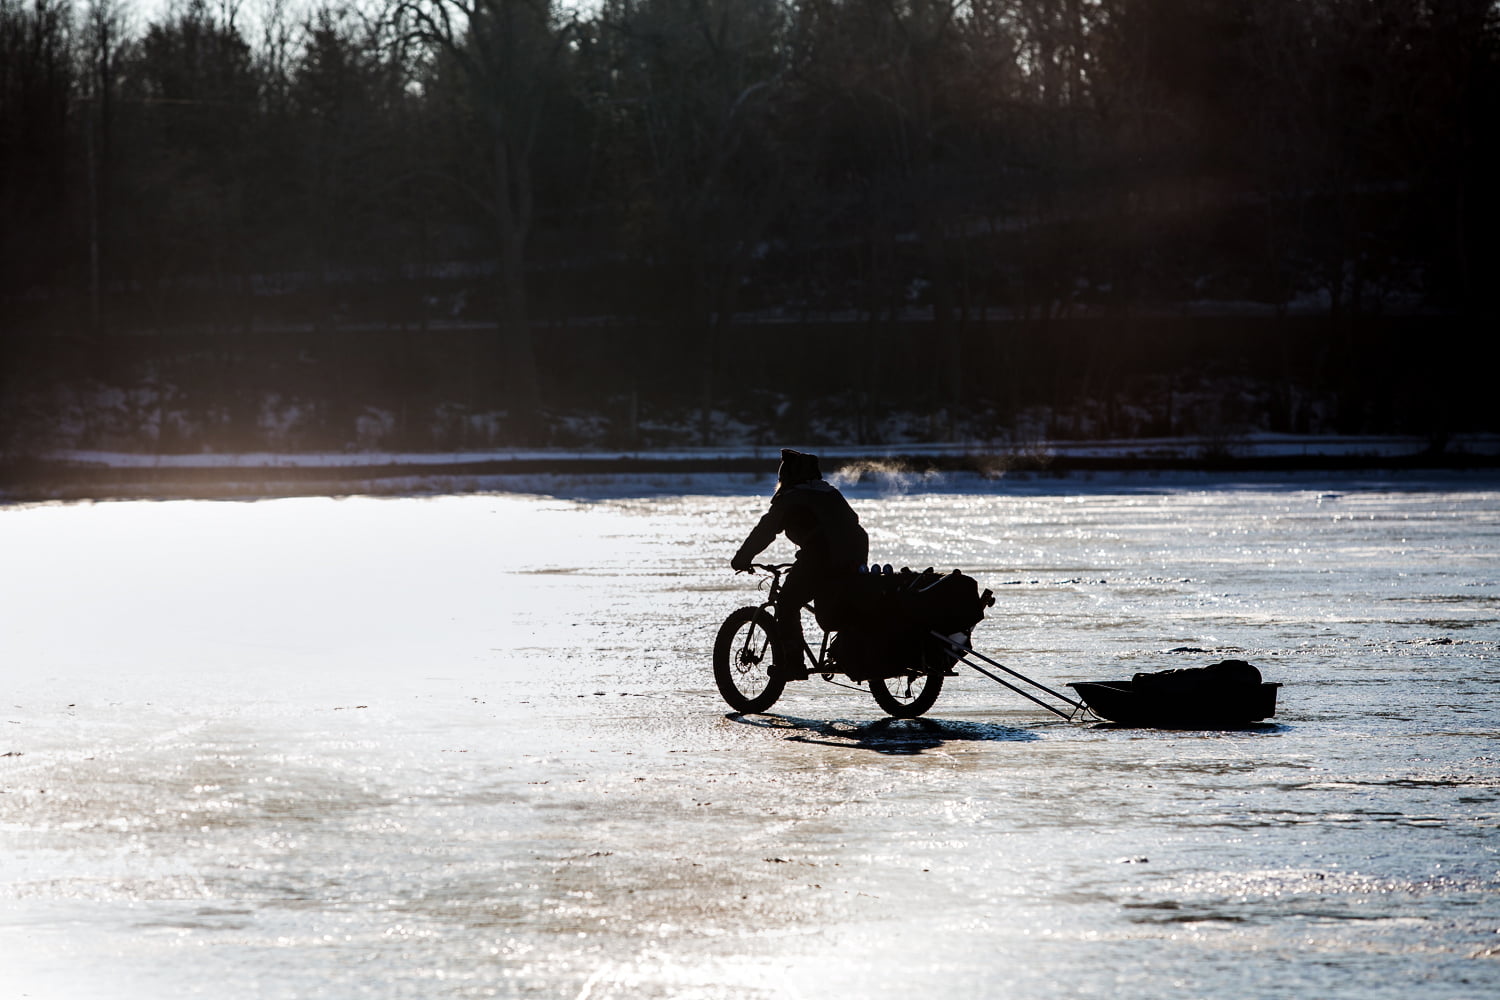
(1143, 449)
(89, 474)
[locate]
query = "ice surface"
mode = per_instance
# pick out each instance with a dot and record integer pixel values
(469, 746)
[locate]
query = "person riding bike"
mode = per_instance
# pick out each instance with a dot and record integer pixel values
(831, 547)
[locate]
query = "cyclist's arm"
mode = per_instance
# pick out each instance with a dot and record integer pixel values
(762, 535)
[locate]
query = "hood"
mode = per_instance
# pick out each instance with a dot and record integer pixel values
(797, 467)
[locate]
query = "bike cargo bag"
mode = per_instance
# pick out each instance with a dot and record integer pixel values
(947, 604)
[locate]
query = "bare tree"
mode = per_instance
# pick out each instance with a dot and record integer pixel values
(104, 33)
(36, 83)
(510, 54)
(701, 80)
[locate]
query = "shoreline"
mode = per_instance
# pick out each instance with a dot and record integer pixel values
(83, 476)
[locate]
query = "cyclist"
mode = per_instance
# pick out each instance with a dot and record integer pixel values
(831, 547)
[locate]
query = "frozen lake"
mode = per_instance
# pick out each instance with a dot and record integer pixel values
(470, 746)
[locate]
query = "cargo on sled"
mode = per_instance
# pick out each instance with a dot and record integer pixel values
(1224, 694)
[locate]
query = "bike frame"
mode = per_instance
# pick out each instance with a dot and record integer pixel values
(959, 652)
(740, 661)
(819, 660)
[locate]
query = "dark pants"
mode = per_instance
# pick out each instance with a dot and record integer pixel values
(799, 587)
(809, 579)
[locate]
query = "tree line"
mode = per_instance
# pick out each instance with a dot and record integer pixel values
(680, 165)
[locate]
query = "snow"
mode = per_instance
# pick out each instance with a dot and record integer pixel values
(1257, 445)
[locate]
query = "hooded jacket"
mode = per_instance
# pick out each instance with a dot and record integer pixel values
(814, 515)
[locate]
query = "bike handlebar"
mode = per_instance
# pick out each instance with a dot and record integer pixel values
(775, 569)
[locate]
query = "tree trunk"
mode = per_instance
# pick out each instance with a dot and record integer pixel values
(517, 353)
(947, 373)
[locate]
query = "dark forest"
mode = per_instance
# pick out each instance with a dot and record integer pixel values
(430, 224)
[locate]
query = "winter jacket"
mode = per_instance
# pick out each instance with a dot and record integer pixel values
(818, 520)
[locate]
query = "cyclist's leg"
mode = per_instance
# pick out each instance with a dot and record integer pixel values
(797, 588)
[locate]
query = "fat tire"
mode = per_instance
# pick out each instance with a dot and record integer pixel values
(747, 687)
(885, 697)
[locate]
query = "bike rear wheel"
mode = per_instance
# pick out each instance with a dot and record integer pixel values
(745, 660)
(908, 695)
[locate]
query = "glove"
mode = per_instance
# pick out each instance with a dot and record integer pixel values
(740, 564)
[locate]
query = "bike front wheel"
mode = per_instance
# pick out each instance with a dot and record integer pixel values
(745, 661)
(908, 695)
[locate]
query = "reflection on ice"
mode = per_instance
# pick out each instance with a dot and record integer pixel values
(469, 746)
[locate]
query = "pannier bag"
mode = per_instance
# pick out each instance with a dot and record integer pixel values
(885, 619)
